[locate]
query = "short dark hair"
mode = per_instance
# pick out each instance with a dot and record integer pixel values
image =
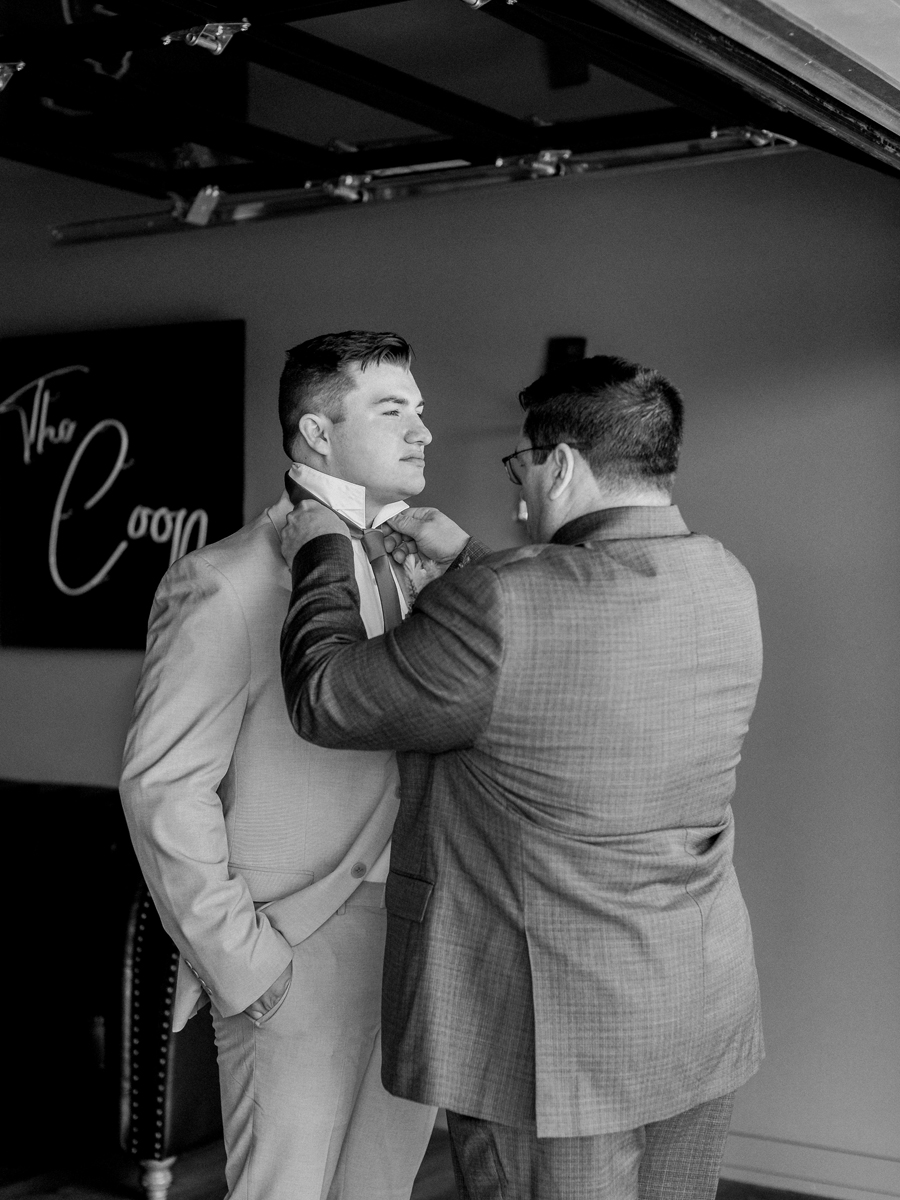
(625, 419)
(316, 377)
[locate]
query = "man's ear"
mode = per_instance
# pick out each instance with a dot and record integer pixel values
(562, 469)
(315, 430)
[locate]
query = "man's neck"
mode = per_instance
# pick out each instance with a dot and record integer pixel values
(651, 499)
(597, 499)
(374, 507)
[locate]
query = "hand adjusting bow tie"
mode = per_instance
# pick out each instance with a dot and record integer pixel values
(373, 544)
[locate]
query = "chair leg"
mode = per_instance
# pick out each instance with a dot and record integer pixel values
(157, 1177)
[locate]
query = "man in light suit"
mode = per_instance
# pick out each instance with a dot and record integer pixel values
(266, 856)
(569, 966)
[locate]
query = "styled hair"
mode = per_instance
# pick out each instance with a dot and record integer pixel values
(625, 419)
(316, 375)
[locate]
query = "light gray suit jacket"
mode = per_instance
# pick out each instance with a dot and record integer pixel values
(249, 838)
(567, 942)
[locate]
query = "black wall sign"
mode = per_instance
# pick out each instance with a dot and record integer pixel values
(119, 451)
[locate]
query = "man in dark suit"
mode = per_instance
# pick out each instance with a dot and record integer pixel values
(569, 968)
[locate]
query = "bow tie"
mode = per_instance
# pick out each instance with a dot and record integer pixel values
(373, 544)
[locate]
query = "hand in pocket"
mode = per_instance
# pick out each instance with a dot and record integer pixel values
(271, 997)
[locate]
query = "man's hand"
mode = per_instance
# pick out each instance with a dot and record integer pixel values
(309, 520)
(270, 997)
(398, 546)
(434, 535)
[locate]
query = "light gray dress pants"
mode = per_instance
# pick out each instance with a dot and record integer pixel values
(306, 1116)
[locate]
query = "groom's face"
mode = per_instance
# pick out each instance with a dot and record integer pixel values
(380, 442)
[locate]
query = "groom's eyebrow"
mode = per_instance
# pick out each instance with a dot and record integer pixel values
(420, 404)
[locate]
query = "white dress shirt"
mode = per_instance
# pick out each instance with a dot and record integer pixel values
(349, 500)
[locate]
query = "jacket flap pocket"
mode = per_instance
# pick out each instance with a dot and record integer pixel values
(266, 886)
(407, 896)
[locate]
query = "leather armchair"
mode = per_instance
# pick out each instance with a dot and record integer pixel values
(169, 1081)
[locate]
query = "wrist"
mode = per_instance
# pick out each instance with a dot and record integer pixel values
(455, 550)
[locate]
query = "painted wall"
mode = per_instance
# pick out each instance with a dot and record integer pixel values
(769, 291)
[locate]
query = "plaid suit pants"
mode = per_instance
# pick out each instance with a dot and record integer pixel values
(675, 1159)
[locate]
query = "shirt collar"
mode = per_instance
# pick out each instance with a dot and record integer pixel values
(634, 521)
(347, 499)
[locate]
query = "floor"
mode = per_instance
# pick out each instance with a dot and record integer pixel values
(199, 1176)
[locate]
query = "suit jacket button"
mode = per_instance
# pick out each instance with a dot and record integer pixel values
(358, 870)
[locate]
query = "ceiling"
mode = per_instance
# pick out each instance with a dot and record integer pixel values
(316, 92)
(849, 50)
(867, 31)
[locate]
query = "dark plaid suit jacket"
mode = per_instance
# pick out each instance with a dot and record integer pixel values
(567, 942)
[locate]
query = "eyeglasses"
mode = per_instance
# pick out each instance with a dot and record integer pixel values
(511, 474)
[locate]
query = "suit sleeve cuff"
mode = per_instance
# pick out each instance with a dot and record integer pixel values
(472, 552)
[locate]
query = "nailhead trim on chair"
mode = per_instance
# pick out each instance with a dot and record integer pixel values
(154, 1121)
(144, 913)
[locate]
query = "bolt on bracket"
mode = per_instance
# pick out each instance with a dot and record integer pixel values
(213, 37)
